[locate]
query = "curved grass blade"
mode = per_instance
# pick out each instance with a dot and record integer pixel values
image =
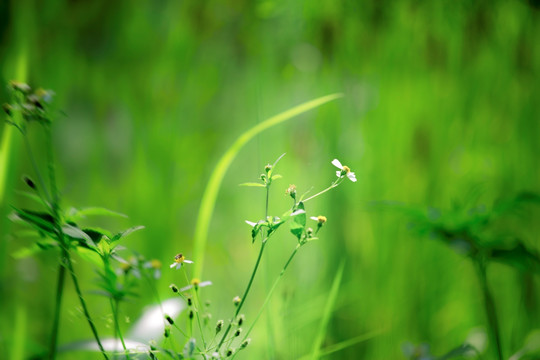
(214, 183)
(327, 312)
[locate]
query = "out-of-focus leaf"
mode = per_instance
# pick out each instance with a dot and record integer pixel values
(77, 233)
(462, 350)
(90, 255)
(127, 232)
(531, 349)
(298, 223)
(76, 215)
(518, 257)
(34, 249)
(40, 221)
(252, 184)
(32, 196)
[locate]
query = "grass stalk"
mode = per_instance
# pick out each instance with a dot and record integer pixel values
(69, 264)
(489, 305)
(57, 309)
(117, 331)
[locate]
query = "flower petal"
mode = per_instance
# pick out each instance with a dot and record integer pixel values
(338, 174)
(298, 212)
(205, 283)
(314, 218)
(351, 176)
(337, 164)
(191, 262)
(172, 265)
(251, 223)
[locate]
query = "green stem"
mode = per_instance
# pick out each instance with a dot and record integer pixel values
(83, 302)
(244, 296)
(118, 333)
(246, 292)
(334, 184)
(489, 304)
(57, 308)
(274, 286)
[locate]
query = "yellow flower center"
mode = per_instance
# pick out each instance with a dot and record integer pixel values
(195, 281)
(179, 258)
(156, 264)
(346, 169)
(321, 219)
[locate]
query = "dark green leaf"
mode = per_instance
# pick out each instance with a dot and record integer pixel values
(126, 233)
(518, 257)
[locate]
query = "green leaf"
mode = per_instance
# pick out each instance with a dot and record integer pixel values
(277, 176)
(90, 255)
(76, 215)
(461, 350)
(76, 233)
(298, 223)
(127, 232)
(328, 309)
(34, 249)
(40, 221)
(252, 184)
(518, 257)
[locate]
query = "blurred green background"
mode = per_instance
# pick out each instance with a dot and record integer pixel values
(441, 101)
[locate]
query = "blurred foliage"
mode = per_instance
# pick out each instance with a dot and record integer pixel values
(440, 98)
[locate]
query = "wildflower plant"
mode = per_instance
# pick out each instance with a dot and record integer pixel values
(226, 338)
(57, 228)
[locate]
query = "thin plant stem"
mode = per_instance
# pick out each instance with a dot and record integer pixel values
(489, 304)
(83, 302)
(197, 312)
(57, 308)
(253, 273)
(333, 185)
(117, 331)
(267, 299)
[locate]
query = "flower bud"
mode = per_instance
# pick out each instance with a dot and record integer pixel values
(267, 168)
(291, 191)
(189, 301)
(229, 352)
(169, 319)
(241, 319)
(238, 332)
(191, 314)
(29, 182)
(174, 288)
(219, 326)
(236, 300)
(245, 343)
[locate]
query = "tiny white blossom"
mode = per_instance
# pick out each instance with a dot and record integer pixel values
(197, 283)
(179, 260)
(251, 223)
(344, 170)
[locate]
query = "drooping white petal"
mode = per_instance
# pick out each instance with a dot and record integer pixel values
(338, 173)
(205, 283)
(314, 218)
(173, 265)
(251, 223)
(297, 212)
(191, 262)
(337, 164)
(351, 176)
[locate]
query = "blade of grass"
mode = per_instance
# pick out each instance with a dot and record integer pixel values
(345, 344)
(332, 296)
(212, 188)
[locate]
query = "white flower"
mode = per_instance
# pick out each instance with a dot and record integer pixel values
(344, 170)
(196, 283)
(179, 259)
